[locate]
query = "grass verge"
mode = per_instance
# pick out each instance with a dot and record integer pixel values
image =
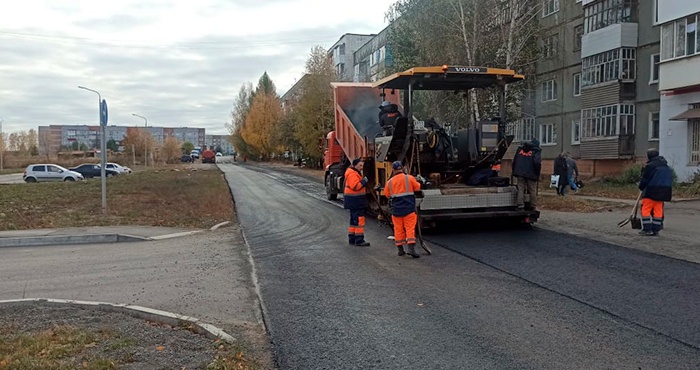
(177, 196)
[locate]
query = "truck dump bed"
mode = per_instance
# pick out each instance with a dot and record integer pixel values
(357, 116)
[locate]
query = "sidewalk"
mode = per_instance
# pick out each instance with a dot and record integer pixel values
(616, 200)
(90, 235)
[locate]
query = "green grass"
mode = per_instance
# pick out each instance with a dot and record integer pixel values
(164, 197)
(56, 348)
(8, 171)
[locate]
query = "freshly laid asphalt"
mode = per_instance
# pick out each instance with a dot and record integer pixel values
(486, 298)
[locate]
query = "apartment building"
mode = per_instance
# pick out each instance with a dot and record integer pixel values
(597, 95)
(55, 137)
(219, 141)
(291, 98)
(373, 59)
(677, 125)
(341, 53)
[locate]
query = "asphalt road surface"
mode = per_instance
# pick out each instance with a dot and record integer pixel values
(486, 298)
(14, 178)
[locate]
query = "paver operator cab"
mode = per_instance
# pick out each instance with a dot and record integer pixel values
(456, 167)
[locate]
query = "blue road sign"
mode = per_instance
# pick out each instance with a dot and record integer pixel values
(103, 113)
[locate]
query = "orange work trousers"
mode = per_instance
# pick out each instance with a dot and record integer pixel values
(405, 229)
(652, 214)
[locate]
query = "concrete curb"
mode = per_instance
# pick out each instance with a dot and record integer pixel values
(139, 312)
(34, 241)
(175, 235)
(219, 225)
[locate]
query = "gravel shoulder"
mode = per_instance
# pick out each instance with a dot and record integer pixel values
(207, 276)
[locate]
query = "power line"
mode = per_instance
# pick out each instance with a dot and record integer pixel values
(258, 42)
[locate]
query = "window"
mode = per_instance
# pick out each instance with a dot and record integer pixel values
(578, 34)
(577, 84)
(612, 65)
(680, 38)
(39, 169)
(52, 169)
(522, 130)
(607, 12)
(550, 7)
(694, 141)
(548, 134)
(550, 46)
(608, 121)
(654, 126)
(576, 132)
(549, 90)
(654, 75)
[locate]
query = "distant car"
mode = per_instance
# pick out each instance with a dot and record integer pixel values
(218, 154)
(119, 168)
(195, 154)
(186, 158)
(89, 170)
(49, 172)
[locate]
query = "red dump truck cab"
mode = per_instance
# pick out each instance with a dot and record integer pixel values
(208, 156)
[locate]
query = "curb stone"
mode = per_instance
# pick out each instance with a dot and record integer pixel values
(210, 331)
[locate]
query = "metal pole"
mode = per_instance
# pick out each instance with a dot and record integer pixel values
(2, 145)
(145, 141)
(103, 149)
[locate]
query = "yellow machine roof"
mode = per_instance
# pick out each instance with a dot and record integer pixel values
(448, 78)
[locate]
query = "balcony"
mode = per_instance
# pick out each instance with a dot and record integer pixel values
(611, 37)
(616, 147)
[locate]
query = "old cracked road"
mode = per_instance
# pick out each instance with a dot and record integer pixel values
(522, 299)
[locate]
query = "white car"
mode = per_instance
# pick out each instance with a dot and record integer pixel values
(218, 154)
(49, 172)
(119, 168)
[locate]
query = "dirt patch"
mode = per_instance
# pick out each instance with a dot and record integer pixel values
(42, 335)
(189, 196)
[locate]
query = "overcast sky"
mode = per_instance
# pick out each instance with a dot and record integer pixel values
(178, 63)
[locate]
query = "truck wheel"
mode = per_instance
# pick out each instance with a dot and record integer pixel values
(329, 193)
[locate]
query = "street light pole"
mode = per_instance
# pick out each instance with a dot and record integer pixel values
(103, 149)
(2, 145)
(145, 141)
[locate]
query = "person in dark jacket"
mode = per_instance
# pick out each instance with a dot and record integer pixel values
(561, 168)
(388, 114)
(355, 200)
(573, 172)
(656, 185)
(527, 165)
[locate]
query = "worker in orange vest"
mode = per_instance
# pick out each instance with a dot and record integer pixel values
(355, 200)
(399, 189)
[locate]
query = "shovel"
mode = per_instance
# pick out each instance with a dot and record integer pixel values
(636, 223)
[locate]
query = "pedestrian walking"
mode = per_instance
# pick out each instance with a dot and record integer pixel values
(572, 169)
(399, 189)
(355, 200)
(527, 165)
(561, 170)
(656, 185)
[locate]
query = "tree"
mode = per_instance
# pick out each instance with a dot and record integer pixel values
(187, 147)
(260, 123)
(75, 145)
(240, 110)
(313, 116)
(45, 144)
(219, 149)
(265, 85)
(112, 145)
(170, 150)
(83, 147)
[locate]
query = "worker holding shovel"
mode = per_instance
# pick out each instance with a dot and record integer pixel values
(656, 185)
(400, 189)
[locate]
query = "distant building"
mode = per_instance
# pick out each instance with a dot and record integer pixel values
(677, 124)
(55, 137)
(372, 60)
(291, 98)
(342, 54)
(217, 141)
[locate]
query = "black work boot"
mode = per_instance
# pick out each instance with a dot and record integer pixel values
(412, 251)
(362, 243)
(401, 251)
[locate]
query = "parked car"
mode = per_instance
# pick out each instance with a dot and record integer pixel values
(49, 172)
(93, 170)
(218, 154)
(119, 168)
(186, 158)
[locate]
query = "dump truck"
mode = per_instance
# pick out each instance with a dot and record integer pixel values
(208, 156)
(456, 165)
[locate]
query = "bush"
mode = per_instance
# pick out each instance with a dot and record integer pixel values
(629, 175)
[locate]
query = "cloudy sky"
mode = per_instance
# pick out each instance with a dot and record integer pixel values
(178, 63)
